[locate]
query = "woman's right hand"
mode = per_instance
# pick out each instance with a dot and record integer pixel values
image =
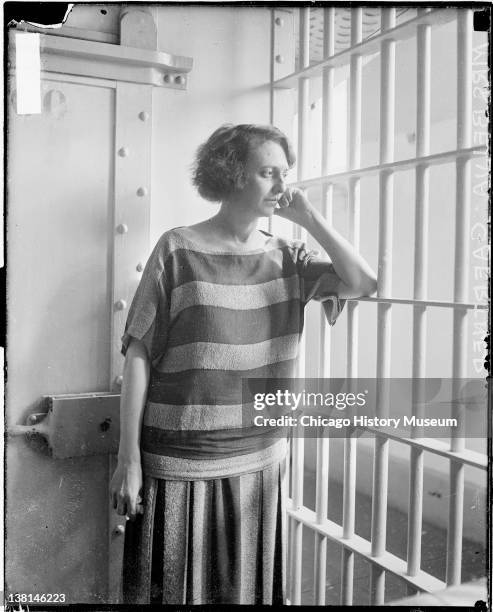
(126, 489)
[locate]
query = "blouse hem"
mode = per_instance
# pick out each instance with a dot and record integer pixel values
(179, 468)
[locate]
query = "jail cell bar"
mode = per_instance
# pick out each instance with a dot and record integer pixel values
(297, 442)
(354, 189)
(422, 178)
(322, 465)
(386, 193)
(384, 42)
(462, 216)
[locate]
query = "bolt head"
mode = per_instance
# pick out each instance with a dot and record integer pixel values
(139, 267)
(280, 59)
(279, 21)
(142, 191)
(121, 305)
(122, 228)
(124, 152)
(179, 79)
(144, 116)
(166, 78)
(119, 380)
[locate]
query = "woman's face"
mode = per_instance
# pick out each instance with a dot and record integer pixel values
(265, 171)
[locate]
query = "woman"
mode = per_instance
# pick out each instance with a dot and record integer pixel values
(218, 302)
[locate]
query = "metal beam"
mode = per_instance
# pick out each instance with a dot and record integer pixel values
(436, 159)
(370, 46)
(89, 58)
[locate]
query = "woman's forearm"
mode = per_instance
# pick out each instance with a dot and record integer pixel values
(133, 398)
(351, 268)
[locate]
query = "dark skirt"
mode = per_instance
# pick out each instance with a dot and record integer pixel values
(219, 541)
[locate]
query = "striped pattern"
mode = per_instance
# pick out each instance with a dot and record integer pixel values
(167, 467)
(193, 417)
(235, 297)
(226, 356)
(206, 387)
(211, 542)
(209, 319)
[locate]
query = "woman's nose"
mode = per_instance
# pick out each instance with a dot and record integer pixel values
(280, 185)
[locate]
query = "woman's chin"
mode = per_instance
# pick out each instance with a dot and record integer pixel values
(267, 210)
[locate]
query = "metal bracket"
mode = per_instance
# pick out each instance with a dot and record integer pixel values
(76, 425)
(109, 61)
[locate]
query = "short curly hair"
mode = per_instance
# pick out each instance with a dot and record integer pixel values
(219, 168)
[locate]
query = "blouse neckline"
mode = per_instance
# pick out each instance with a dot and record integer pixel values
(204, 249)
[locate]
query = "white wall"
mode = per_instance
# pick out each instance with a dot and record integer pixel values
(229, 82)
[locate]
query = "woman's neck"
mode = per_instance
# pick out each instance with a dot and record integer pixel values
(234, 225)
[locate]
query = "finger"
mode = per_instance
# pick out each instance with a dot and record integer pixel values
(121, 508)
(132, 515)
(283, 201)
(132, 509)
(281, 212)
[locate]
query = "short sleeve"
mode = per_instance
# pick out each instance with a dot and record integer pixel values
(148, 315)
(319, 281)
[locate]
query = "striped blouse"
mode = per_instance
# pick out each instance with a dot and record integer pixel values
(209, 319)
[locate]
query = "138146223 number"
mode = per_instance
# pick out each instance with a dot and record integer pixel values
(14, 598)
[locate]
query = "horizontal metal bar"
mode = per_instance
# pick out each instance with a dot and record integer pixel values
(395, 166)
(387, 561)
(71, 32)
(437, 447)
(108, 61)
(412, 302)
(77, 79)
(118, 53)
(369, 46)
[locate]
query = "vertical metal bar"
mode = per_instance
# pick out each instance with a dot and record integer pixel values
(380, 467)
(298, 441)
(132, 171)
(271, 79)
(354, 161)
(322, 473)
(328, 76)
(414, 528)
(462, 222)
(271, 68)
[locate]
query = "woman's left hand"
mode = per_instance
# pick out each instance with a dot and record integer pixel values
(295, 206)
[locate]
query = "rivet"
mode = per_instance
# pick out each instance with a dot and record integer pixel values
(124, 152)
(179, 80)
(121, 305)
(279, 21)
(139, 267)
(119, 380)
(142, 191)
(119, 530)
(122, 228)
(166, 78)
(280, 59)
(144, 115)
